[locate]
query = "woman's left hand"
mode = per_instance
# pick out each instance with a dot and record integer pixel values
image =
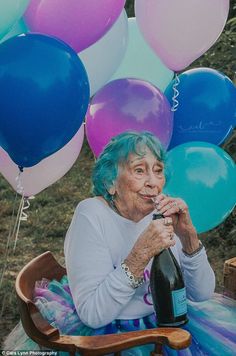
(177, 209)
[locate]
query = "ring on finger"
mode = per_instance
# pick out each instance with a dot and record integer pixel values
(167, 222)
(181, 210)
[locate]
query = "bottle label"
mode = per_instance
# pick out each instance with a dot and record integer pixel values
(179, 302)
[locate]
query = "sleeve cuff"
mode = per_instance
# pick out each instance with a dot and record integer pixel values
(194, 253)
(195, 260)
(119, 278)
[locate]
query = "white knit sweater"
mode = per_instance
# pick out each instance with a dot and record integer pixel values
(97, 241)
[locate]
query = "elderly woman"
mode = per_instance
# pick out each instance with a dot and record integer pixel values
(115, 229)
(114, 232)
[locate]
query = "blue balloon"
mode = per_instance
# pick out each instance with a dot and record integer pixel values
(207, 107)
(44, 96)
(203, 175)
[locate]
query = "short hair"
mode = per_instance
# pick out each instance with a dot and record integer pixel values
(116, 152)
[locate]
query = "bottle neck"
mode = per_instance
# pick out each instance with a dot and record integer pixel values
(157, 216)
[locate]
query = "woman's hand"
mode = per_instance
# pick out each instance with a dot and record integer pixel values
(177, 209)
(156, 237)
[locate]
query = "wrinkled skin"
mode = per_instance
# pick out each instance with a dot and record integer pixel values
(136, 192)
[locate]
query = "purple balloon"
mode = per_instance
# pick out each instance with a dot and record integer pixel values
(79, 23)
(127, 104)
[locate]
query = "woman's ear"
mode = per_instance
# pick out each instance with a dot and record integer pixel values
(112, 190)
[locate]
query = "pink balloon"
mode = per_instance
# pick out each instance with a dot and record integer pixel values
(180, 31)
(48, 171)
(79, 23)
(127, 104)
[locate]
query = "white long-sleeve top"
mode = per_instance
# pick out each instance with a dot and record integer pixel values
(97, 241)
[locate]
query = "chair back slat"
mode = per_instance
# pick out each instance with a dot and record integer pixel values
(43, 266)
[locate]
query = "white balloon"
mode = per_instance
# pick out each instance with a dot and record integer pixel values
(36, 178)
(103, 57)
(141, 62)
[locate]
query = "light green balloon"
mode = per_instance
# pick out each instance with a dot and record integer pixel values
(19, 28)
(140, 61)
(10, 12)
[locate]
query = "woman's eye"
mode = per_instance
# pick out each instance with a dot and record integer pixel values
(159, 171)
(139, 170)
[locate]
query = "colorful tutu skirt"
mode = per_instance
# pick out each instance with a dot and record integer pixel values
(212, 323)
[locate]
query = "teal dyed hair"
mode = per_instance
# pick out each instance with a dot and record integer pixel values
(116, 153)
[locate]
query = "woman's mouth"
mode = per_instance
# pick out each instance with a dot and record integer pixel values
(149, 197)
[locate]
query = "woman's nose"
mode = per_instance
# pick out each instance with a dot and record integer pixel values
(151, 180)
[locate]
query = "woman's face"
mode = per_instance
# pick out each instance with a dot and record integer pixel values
(139, 180)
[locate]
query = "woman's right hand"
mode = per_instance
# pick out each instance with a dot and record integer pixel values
(156, 237)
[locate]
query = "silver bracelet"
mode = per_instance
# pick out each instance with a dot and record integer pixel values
(133, 282)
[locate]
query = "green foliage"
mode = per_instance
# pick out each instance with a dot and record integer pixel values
(221, 56)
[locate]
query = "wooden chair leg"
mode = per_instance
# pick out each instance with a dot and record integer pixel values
(157, 351)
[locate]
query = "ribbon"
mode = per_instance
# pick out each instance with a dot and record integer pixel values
(175, 102)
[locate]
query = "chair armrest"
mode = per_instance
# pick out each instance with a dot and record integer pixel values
(46, 335)
(175, 338)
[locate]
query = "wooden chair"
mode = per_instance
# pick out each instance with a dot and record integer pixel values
(39, 330)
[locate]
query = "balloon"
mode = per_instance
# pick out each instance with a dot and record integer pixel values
(127, 104)
(44, 97)
(79, 23)
(180, 31)
(48, 171)
(10, 12)
(103, 57)
(204, 175)
(207, 107)
(141, 62)
(17, 29)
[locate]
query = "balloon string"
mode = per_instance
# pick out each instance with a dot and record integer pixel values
(22, 216)
(14, 229)
(176, 93)
(19, 187)
(10, 234)
(20, 190)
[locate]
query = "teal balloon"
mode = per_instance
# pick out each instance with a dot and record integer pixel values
(204, 175)
(10, 12)
(141, 62)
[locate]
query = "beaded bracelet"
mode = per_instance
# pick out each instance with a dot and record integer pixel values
(133, 282)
